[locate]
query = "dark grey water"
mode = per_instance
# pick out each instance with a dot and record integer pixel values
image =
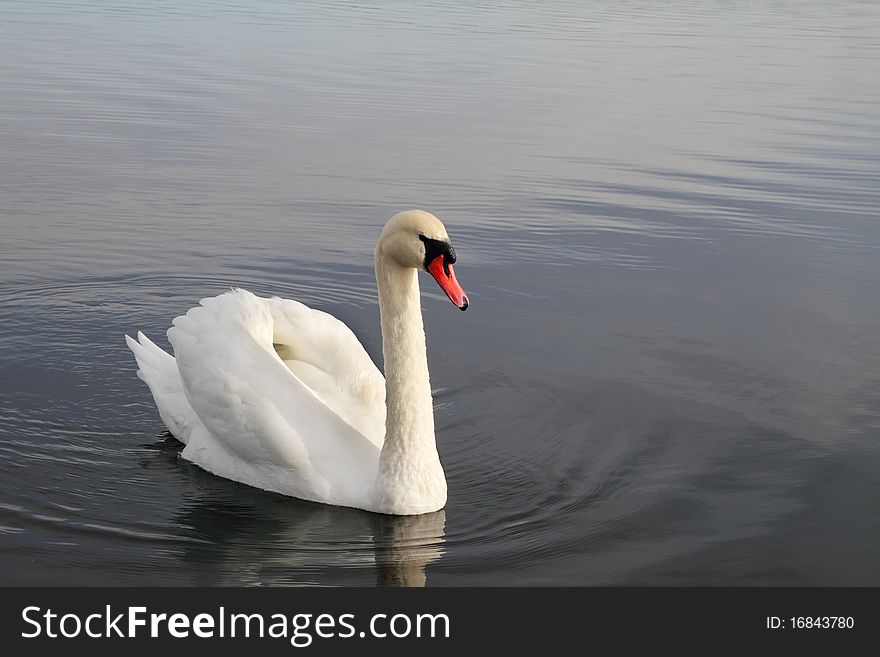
(667, 220)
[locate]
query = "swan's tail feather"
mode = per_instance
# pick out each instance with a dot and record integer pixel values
(151, 358)
(158, 369)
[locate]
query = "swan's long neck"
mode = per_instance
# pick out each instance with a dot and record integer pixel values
(410, 477)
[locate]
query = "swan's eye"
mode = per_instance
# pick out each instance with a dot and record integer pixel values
(435, 248)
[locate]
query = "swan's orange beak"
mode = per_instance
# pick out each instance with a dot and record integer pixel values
(441, 269)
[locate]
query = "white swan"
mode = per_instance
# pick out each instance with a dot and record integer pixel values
(274, 394)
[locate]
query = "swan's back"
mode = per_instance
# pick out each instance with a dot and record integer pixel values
(273, 394)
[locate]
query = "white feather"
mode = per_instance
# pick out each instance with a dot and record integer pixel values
(264, 424)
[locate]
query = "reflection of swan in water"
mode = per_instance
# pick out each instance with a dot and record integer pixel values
(311, 545)
(404, 545)
(248, 537)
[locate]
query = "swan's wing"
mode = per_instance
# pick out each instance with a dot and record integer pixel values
(158, 370)
(263, 425)
(327, 357)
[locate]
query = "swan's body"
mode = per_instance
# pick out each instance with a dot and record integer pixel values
(274, 394)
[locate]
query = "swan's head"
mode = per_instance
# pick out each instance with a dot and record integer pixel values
(418, 239)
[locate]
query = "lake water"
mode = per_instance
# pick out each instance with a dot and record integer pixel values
(666, 217)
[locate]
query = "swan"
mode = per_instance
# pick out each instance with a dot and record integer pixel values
(271, 393)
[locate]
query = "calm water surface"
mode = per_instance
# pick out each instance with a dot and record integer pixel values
(666, 217)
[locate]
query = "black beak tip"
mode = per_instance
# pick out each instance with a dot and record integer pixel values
(464, 305)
